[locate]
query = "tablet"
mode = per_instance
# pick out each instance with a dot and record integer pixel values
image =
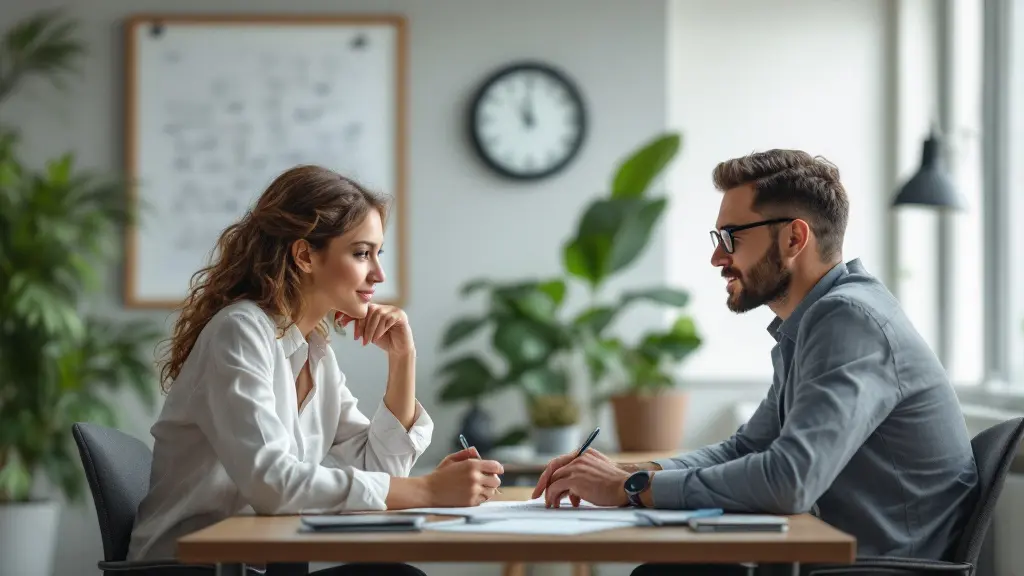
(740, 523)
(362, 522)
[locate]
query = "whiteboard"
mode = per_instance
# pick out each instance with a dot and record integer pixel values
(217, 108)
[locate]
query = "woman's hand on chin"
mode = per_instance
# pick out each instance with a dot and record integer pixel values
(385, 326)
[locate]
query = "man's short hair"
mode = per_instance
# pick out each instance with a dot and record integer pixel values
(793, 184)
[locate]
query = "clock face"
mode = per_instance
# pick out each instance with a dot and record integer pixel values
(527, 121)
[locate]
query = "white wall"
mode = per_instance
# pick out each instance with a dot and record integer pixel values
(749, 75)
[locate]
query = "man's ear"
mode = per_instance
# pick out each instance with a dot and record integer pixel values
(797, 239)
(302, 255)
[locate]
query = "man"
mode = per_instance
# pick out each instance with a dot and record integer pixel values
(860, 425)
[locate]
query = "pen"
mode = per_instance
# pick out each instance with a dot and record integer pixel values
(587, 444)
(583, 448)
(465, 446)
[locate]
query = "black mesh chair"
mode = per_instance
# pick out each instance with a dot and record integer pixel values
(994, 451)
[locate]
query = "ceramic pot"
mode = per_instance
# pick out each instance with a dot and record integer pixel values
(649, 422)
(29, 537)
(555, 441)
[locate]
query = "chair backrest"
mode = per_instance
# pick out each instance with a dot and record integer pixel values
(994, 451)
(117, 467)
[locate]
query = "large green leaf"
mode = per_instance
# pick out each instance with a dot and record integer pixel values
(513, 437)
(460, 329)
(637, 171)
(610, 236)
(554, 289)
(468, 378)
(521, 342)
(669, 296)
(635, 232)
(677, 343)
(544, 381)
(595, 319)
(587, 258)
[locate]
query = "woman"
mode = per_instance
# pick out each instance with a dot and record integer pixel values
(257, 416)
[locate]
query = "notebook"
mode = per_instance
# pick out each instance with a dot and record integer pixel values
(361, 523)
(741, 523)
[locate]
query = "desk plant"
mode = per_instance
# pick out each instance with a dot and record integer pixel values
(59, 227)
(537, 340)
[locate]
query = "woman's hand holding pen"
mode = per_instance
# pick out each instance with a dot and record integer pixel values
(463, 479)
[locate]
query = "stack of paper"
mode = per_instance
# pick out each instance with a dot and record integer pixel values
(532, 517)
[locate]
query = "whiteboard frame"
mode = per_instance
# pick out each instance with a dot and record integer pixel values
(132, 23)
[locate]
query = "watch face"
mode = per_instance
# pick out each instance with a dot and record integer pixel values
(637, 482)
(527, 121)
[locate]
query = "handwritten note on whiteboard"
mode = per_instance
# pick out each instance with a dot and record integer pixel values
(219, 109)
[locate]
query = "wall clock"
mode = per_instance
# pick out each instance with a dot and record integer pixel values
(527, 121)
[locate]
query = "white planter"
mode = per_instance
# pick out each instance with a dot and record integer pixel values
(28, 537)
(555, 441)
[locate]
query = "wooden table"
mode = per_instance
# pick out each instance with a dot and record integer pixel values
(240, 540)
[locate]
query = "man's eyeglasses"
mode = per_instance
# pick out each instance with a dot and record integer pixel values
(724, 236)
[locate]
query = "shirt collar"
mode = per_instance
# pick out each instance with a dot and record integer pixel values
(789, 327)
(292, 342)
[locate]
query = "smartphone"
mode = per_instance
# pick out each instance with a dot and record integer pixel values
(740, 523)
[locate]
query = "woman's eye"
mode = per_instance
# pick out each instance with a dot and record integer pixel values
(363, 255)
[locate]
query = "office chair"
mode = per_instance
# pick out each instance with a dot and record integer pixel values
(117, 467)
(994, 451)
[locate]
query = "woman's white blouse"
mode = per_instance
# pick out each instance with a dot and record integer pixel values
(231, 439)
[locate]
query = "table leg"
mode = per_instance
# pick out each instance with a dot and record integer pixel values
(514, 569)
(230, 569)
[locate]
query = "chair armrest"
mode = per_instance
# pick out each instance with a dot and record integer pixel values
(892, 566)
(132, 565)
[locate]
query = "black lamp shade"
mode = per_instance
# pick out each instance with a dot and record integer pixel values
(931, 186)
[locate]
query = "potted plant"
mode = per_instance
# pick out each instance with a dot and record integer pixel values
(612, 232)
(554, 420)
(59, 227)
(530, 344)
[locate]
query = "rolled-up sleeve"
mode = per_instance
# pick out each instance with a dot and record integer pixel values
(845, 386)
(381, 443)
(234, 406)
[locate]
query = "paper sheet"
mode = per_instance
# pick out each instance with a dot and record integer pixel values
(550, 527)
(535, 509)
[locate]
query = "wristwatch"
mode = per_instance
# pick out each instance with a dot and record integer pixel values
(635, 484)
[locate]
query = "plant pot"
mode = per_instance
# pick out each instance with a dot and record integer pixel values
(649, 422)
(29, 537)
(478, 428)
(555, 441)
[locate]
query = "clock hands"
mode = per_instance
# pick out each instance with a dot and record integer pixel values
(526, 110)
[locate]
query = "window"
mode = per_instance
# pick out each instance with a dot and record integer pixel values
(1011, 71)
(966, 274)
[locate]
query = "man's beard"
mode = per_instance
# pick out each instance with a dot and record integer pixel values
(767, 281)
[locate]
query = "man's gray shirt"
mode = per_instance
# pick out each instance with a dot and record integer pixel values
(860, 424)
